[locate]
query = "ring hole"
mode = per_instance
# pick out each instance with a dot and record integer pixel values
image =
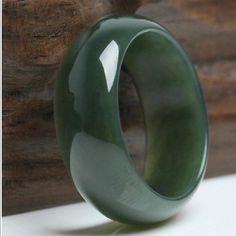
(132, 120)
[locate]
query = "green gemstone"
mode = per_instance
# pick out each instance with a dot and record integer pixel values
(88, 123)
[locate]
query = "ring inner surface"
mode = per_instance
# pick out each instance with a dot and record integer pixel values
(173, 111)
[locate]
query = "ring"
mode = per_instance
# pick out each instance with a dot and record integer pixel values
(89, 129)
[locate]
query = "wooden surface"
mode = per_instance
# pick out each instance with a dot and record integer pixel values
(35, 35)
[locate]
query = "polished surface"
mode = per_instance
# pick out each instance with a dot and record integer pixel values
(88, 123)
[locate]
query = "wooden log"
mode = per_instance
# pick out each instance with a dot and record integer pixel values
(35, 36)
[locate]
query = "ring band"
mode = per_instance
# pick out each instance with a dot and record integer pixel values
(88, 122)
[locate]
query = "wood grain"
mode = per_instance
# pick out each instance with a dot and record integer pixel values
(35, 36)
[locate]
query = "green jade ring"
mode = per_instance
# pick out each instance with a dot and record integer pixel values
(89, 129)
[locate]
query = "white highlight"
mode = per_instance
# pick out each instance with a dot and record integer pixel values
(109, 60)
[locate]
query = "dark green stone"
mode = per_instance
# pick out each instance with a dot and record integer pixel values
(88, 123)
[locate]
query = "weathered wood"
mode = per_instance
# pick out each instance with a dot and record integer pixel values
(35, 36)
